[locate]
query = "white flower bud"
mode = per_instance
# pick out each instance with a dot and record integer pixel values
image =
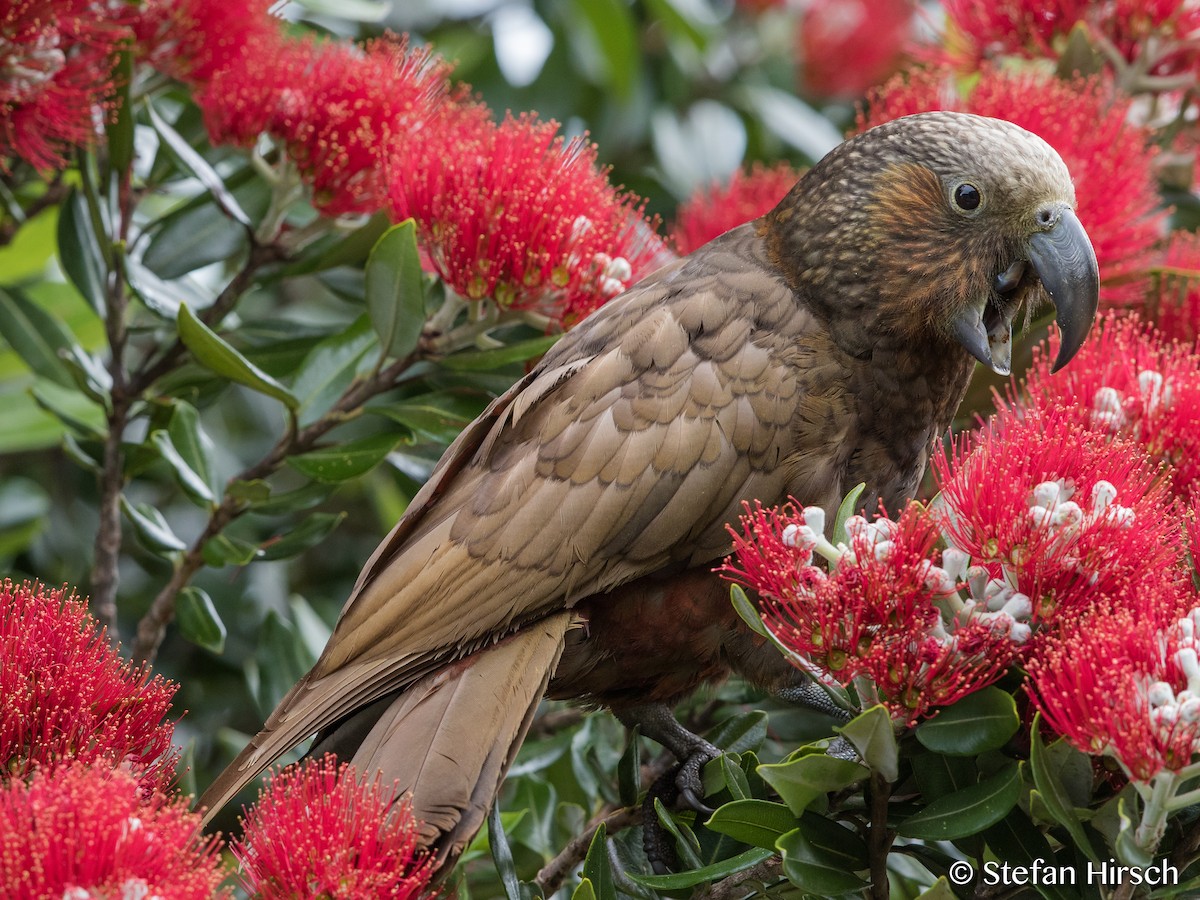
(1103, 494)
(1160, 694)
(1150, 386)
(620, 269)
(1189, 710)
(1107, 411)
(955, 562)
(1019, 606)
(814, 518)
(1067, 514)
(1046, 494)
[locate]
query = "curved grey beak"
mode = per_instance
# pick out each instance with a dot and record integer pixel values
(1066, 265)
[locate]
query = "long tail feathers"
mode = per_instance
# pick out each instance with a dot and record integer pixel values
(447, 739)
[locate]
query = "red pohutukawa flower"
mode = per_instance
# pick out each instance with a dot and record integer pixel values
(848, 46)
(1040, 28)
(56, 76)
(317, 830)
(1126, 682)
(716, 209)
(65, 694)
(1054, 511)
(1110, 160)
(1174, 304)
(518, 213)
(194, 39)
(1130, 382)
(337, 108)
(877, 612)
(80, 832)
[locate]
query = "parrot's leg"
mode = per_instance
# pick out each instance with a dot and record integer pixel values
(811, 695)
(658, 723)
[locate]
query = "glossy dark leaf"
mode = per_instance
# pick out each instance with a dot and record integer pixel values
(199, 621)
(1053, 793)
(395, 290)
(79, 251)
(968, 811)
(308, 534)
(151, 528)
(872, 734)
(800, 781)
(597, 869)
(36, 336)
(198, 166)
(330, 368)
(979, 722)
(705, 874)
(340, 462)
(821, 857)
(488, 360)
(216, 354)
(759, 823)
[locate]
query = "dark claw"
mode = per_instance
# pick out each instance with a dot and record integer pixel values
(656, 843)
(689, 781)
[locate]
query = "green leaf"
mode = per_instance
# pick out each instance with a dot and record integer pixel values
(597, 869)
(79, 251)
(1129, 851)
(151, 528)
(821, 857)
(984, 720)
(223, 550)
(192, 483)
(300, 499)
(747, 611)
(846, 509)
(314, 529)
(253, 493)
(685, 839)
(197, 165)
(502, 855)
(194, 446)
(1016, 840)
(395, 290)
(968, 811)
(629, 769)
(585, 891)
(704, 875)
(369, 11)
(939, 890)
(199, 233)
(759, 823)
(611, 26)
(745, 731)
(71, 407)
(344, 461)
(199, 621)
(351, 250)
(330, 368)
(1052, 792)
(801, 781)
(36, 336)
(487, 360)
(872, 734)
(725, 774)
(938, 775)
(212, 352)
(89, 374)
(438, 415)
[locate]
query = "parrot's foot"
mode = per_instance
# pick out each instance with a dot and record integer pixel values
(810, 695)
(681, 784)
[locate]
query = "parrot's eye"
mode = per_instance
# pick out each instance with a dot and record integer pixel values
(967, 196)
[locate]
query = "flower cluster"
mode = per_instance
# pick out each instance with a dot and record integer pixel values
(1174, 302)
(1110, 160)
(1129, 383)
(1126, 683)
(56, 76)
(65, 694)
(1127, 29)
(716, 209)
(1054, 511)
(317, 830)
(884, 611)
(847, 46)
(81, 832)
(517, 213)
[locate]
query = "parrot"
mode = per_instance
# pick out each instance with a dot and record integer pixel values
(564, 546)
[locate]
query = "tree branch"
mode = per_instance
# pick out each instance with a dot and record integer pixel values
(153, 625)
(734, 887)
(879, 838)
(106, 549)
(614, 819)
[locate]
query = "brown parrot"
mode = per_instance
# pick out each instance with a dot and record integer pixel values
(564, 545)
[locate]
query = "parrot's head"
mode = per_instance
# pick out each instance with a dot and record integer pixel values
(940, 227)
